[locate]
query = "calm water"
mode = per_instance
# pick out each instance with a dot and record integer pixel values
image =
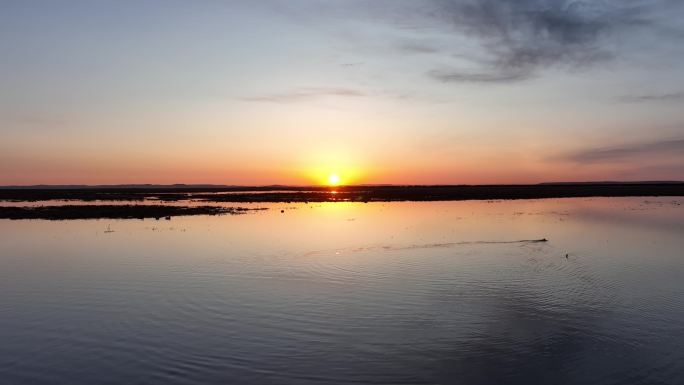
(394, 293)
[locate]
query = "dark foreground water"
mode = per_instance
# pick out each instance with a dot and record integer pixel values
(395, 293)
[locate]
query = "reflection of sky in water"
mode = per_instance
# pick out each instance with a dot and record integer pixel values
(351, 293)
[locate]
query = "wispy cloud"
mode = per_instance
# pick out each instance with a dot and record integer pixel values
(521, 37)
(492, 76)
(305, 94)
(417, 47)
(492, 41)
(667, 97)
(666, 148)
(35, 121)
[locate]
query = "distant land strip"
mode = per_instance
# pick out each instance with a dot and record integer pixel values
(114, 211)
(361, 193)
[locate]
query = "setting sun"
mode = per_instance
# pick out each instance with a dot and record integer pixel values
(333, 179)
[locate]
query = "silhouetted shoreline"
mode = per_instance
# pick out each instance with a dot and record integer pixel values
(343, 193)
(114, 211)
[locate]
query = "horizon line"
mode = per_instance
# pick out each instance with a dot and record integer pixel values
(212, 185)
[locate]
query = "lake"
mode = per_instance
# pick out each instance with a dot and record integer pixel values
(351, 293)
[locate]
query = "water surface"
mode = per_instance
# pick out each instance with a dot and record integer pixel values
(351, 293)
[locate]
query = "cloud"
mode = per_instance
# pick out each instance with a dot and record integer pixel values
(627, 152)
(479, 77)
(521, 37)
(304, 94)
(417, 47)
(35, 121)
(669, 97)
(490, 41)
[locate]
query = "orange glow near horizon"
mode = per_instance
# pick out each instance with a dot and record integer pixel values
(333, 168)
(314, 168)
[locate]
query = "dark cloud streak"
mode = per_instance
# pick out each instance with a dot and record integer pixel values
(417, 47)
(667, 148)
(479, 77)
(669, 97)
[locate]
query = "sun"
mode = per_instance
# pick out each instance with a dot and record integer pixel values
(333, 179)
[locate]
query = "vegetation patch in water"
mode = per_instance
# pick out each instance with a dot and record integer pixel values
(115, 211)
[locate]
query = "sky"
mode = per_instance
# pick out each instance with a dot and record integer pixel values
(375, 91)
